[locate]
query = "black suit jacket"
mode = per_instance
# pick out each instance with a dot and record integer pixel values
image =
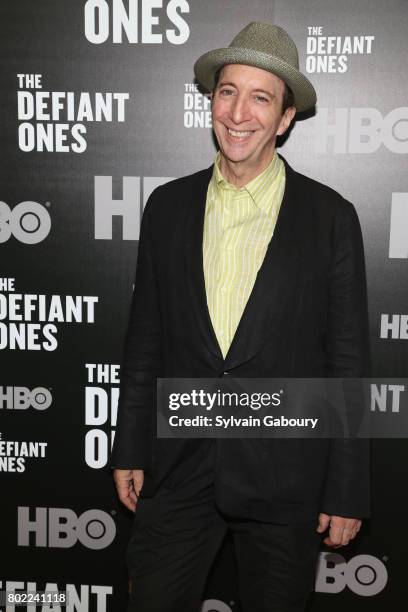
(306, 317)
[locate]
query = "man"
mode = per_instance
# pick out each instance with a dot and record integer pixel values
(246, 269)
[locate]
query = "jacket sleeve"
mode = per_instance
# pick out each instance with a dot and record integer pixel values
(346, 491)
(141, 364)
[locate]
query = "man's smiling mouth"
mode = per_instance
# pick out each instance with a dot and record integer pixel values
(239, 133)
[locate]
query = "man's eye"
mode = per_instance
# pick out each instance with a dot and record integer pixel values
(261, 98)
(226, 92)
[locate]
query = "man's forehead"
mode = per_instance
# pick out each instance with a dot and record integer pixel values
(249, 73)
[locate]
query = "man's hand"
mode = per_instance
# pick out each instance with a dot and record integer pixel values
(342, 530)
(128, 485)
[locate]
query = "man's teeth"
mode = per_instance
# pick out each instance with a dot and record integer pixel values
(239, 134)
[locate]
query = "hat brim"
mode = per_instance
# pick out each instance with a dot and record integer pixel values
(207, 65)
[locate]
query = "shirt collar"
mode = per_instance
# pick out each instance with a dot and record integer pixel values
(258, 189)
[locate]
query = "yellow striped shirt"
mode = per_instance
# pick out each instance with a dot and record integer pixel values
(238, 226)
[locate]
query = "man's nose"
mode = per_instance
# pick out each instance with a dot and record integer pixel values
(240, 109)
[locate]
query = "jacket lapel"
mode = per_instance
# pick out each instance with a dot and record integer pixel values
(272, 285)
(194, 262)
(274, 281)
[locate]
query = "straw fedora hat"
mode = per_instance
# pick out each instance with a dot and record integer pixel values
(265, 46)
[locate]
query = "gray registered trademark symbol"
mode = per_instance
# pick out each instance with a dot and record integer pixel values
(48, 204)
(385, 558)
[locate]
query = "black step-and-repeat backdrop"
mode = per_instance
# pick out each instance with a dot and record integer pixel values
(98, 107)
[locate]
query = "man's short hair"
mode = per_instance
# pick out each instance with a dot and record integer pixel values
(288, 97)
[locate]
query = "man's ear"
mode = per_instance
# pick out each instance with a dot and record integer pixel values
(286, 120)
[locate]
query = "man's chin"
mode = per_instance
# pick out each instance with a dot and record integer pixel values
(235, 156)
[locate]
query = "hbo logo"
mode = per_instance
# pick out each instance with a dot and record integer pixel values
(215, 605)
(62, 528)
(364, 574)
(29, 222)
(21, 398)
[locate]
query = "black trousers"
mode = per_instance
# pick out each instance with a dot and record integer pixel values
(177, 533)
